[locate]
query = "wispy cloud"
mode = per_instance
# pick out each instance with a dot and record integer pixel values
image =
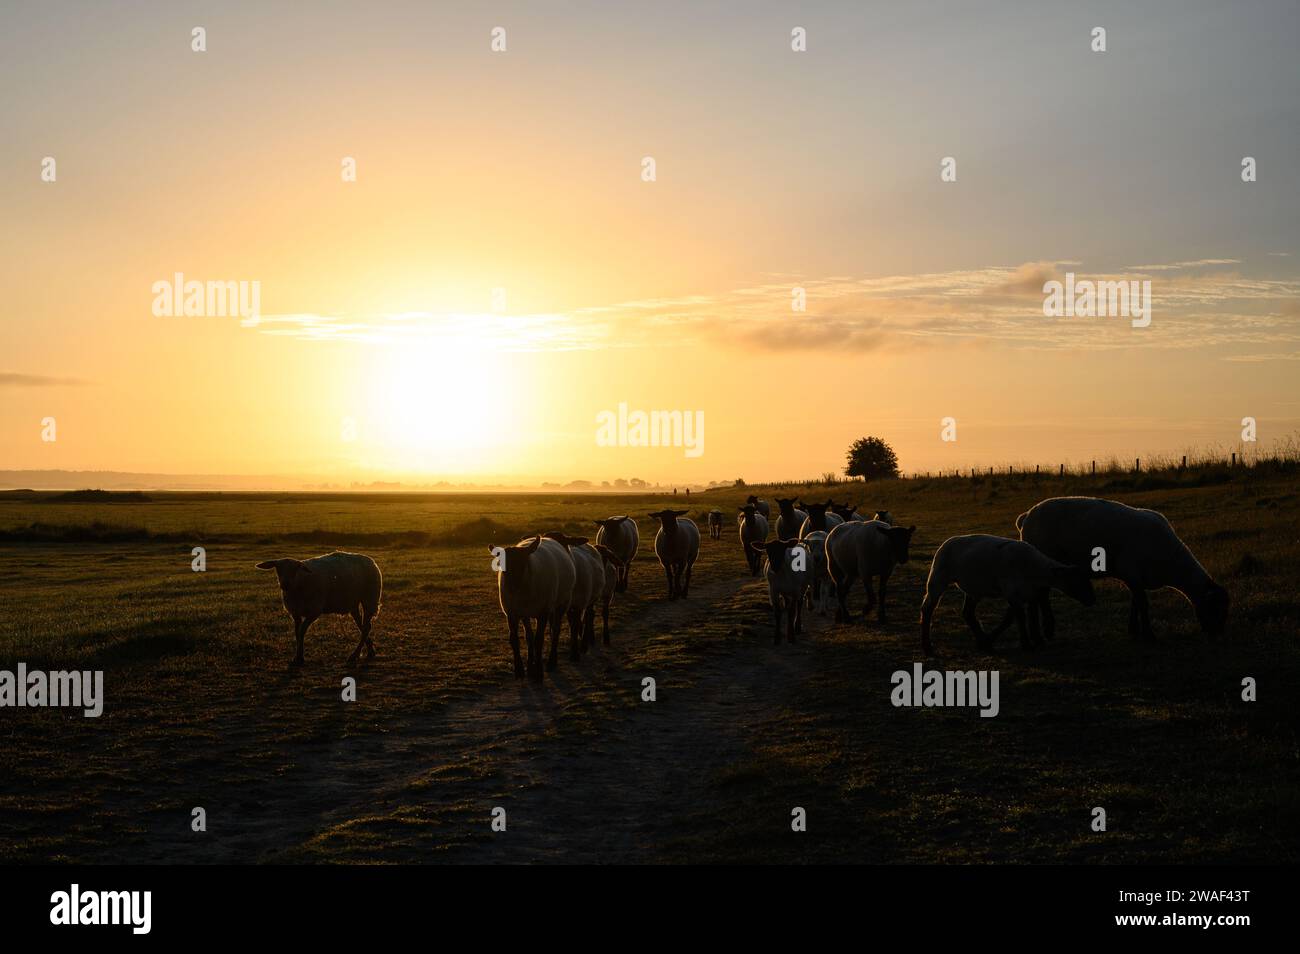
(998, 305)
(12, 379)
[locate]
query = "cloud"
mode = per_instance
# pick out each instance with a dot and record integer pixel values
(995, 305)
(12, 379)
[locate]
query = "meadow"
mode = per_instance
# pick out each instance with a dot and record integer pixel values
(203, 710)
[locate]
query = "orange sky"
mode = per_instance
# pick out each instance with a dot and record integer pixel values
(380, 354)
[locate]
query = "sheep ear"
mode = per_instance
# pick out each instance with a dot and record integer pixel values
(266, 565)
(537, 542)
(303, 567)
(758, 547)
(599, 523)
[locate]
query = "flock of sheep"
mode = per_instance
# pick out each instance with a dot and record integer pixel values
(818, 549)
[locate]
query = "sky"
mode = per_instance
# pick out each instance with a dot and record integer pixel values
(501, 272)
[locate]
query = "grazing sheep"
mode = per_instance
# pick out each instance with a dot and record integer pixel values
(753, 529)
(535, 582)
(820, 576)
(621, 535)
(762, 506)
(790, 519)
(677, 544)
(613, 569)
(715, 524)
(787, 570)
(589, 581)
(819, 519)
(864, 550)
(339, 583)
(986, 566)
(1141, 550)
(884, 516)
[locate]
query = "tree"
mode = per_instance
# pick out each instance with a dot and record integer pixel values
(871, 459)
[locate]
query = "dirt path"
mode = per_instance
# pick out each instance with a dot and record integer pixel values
(585, 770)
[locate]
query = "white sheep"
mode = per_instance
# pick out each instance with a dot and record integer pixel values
(588, 584)
(338, 583)
(762, 506)
(753, 529)
(985, 566)
(866, 549)
(788, 571)
(819, 519)
(791, 518)
(677, 544)
(820, 579)
(715, 524)
(1140, 548)
(535, 581)
(621, 535)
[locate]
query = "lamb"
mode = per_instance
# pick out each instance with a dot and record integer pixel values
(589, 582)
(339, 583)
(819, 519)
(753, 529)
(535, 581)
(621, 535)
(715, 524)
(677, 544)
(790, 520)
(788, 573)
(762, 506)
(1141, 550)
(819, 577)
(866, 549)
(986, 566)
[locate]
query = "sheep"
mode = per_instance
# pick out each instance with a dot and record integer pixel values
(677, 544)
(589, 582)
(788, 574)
(790, 519)
(1141, 550)
(621, 535)
(884, 516)
(986, 566)
(819, 519)
(338, 583)
(866, 549)
(819, 577)
(762, 506)
(848, 513)
(535, 581)
(715, 524)
(753, 529)
(613, 570)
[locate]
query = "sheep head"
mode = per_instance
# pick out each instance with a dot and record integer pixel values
(900, 538)
(1212, 604)
(1075, 582)
(286, 570)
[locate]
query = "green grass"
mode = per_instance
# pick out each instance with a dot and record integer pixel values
(203, 710)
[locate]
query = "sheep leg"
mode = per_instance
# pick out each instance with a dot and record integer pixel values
(356, 653)
(589, 628)
(1035, 633)
(796, 610)
(884, 578)
(604, 622)
(537, 651)
(842, 585)
(553, 662)
(1020, 624)
(514, 645)
(532, 643)
(301, 634)
(1143, 605)
(1049, 620)
(687, 588)
(368, 619)
(575, 633)
(672, 590)
(776, 620)
(982, 639)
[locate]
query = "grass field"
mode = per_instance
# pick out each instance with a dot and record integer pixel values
(202, 708)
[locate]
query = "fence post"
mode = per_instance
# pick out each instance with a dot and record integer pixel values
(1137, 465)
(1062, 473)
(1184, 462)
(1234, 458)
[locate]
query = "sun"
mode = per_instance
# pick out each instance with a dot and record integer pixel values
(438, 407)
